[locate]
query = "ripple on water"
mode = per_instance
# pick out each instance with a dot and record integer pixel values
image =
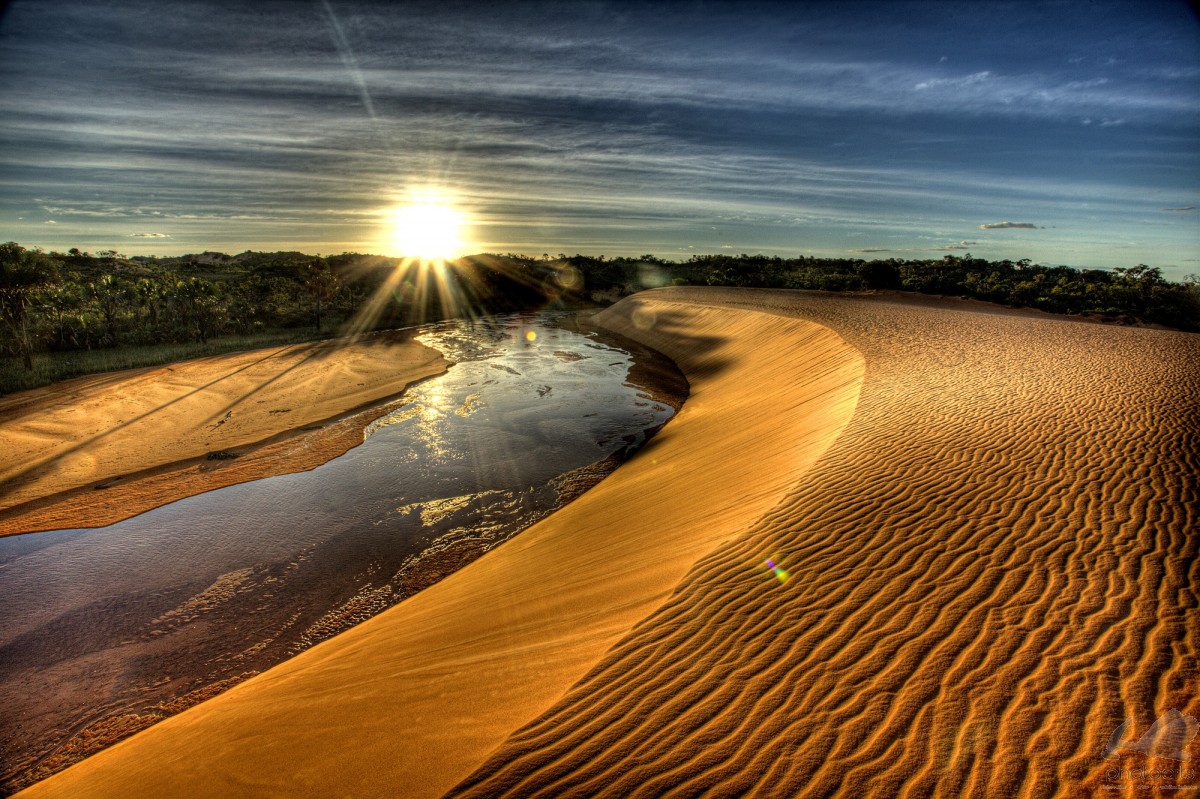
(141, 618)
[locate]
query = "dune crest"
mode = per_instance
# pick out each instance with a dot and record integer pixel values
(992, 567)
(410, 702)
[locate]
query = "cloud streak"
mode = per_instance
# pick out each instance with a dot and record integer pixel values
(627, 126)
(1009, 226)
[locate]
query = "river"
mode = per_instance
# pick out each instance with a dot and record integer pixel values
(108, 630)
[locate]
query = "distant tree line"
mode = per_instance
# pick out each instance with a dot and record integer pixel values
(59, 302)
(1127, 295)
(62, 302)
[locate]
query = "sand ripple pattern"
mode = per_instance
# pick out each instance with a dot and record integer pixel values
(992, 568)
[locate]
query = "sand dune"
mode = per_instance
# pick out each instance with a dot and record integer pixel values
(994, 565)
(144, 435)
(983, 528)
(408, 703)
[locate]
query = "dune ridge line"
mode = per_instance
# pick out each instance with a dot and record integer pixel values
(411, 701)
(992, 569)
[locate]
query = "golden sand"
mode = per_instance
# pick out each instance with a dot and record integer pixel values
(94, 450)
(984, 533)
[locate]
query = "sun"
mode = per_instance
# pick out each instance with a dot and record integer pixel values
(428, 227)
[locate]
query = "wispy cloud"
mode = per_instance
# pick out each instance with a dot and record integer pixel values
(582, 123)
(149, 235)
(1181, 210)
(106, 211)
(966, 80)
(1009, 226)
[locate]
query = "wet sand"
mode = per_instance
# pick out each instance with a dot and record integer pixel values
(886, 549)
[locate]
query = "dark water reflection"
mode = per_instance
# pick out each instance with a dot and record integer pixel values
(118, 626)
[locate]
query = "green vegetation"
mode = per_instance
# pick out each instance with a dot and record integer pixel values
(1129, 296)
(63, 315)
(77, 313)
(1137, 294)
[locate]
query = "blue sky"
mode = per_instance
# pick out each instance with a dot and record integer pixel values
(1064, 132)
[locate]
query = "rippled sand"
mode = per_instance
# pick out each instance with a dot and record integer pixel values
(888, 548)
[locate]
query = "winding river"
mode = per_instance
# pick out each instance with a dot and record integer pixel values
(105, 631)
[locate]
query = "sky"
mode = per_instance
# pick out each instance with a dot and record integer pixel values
(1063, 132)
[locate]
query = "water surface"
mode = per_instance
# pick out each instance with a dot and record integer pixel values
(114, 627)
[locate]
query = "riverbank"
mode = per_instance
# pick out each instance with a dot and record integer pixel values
(92, 451)
(410, 708)
(883, 549)
(109, 631)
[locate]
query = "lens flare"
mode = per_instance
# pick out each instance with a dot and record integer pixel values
(780, 575)
(644, 318)
(568, 277)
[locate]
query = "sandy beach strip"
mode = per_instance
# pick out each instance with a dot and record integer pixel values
(886, 549)
(94, 450)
